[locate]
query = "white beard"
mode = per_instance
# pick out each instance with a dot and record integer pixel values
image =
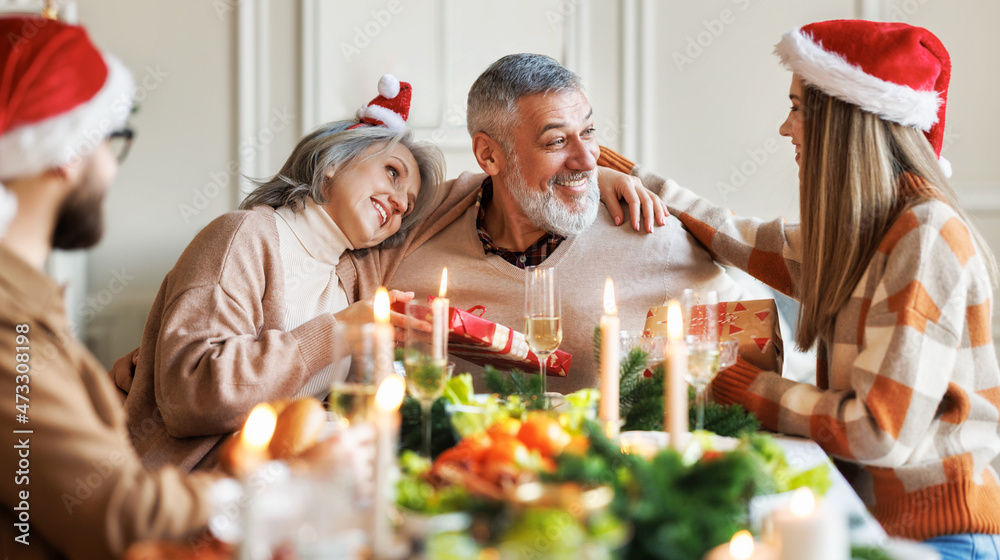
(549, 212)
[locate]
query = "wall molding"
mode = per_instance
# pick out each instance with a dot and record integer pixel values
(577, 39)
(309, 34)
(253, 91)
(638, 79)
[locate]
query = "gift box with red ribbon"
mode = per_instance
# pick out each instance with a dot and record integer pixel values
(754, 323)
(476, 339)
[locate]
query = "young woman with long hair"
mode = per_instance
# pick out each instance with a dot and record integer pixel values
(894, 281)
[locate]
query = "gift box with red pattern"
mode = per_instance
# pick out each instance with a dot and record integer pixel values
(754, 323)
(476, 339)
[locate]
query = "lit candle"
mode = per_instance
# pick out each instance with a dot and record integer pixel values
(646, 444)
(388, 398)
(809, 529)
(384, 336)
(439, 321)
(250, 451)
(742, 547)
(610, 341)
(675, 395)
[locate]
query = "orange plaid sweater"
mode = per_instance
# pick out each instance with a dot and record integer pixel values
(911, 401)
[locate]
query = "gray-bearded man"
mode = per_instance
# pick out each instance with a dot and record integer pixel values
(533, 135)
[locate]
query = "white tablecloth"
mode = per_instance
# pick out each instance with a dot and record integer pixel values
(804, 454)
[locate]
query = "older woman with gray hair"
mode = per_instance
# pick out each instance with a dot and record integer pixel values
(247, 313)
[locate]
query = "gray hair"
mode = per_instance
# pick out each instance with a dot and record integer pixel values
(335, 148)
(492, 104)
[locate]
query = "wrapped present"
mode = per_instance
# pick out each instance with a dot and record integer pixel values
(754, 323)
(476, 339)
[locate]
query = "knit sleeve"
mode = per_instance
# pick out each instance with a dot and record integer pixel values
(214, 358)
(89, 495)
(769, 251)
(613, 160)
(908, 350)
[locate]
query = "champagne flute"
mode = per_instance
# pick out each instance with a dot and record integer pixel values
(701, 328)
(425, 359)
(352, 394)
(542, 311)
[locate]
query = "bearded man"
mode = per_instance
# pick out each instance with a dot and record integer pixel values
(533, 135)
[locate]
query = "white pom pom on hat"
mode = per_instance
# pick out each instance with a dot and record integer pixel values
(391, 108)
(388, 86)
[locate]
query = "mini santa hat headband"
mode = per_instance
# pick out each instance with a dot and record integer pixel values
(894, 70)
(390, 108)
(60, 98)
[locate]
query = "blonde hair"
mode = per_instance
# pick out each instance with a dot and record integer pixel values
(850, 195)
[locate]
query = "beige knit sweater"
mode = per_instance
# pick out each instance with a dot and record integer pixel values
(214, 345)
(81, 487)
(648, 269)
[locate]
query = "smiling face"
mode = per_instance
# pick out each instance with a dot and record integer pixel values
(368, 201)
(792, 127)
(551, 171)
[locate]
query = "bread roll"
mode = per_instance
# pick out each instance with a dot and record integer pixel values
(299, 426)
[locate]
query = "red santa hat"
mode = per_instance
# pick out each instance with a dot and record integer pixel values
(60, 97)
(390, 108)
(894, 70)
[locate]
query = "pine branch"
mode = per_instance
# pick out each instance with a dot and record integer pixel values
(514, 382)
(497, 381)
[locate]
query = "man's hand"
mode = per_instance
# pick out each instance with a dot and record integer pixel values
(644, 207)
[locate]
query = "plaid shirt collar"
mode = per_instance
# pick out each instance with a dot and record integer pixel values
(533, 256)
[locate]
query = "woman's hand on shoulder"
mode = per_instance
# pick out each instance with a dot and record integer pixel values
(645, 208)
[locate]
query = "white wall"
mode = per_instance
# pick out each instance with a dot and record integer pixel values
(700, 118)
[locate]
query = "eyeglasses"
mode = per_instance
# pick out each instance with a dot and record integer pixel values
(121, 141)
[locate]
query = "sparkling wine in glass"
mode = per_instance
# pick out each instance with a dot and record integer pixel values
(352, 403)
(542, 325)
(701, 328)
(425, 359)
(352, 393)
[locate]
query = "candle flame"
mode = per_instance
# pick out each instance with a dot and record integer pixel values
(675, 321)
(382, 305)
(390, 393)
(803, 502)
(741, 546)
(259, 427)
(443, 292)
(609, 298)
